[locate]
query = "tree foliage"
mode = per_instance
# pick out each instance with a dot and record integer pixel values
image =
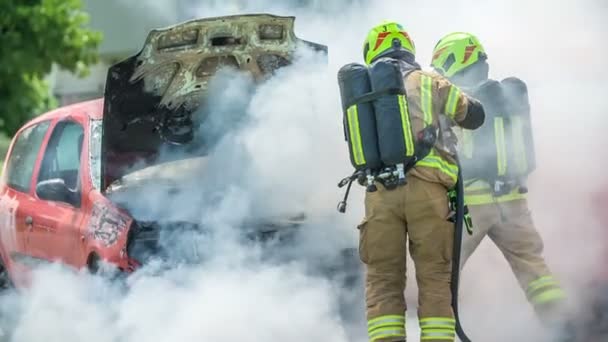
(34, 35)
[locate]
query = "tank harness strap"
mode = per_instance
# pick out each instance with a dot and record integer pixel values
(374, 95)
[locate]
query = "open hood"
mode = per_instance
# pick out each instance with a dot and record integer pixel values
(150, 97)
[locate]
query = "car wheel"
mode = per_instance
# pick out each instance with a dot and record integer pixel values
(106, 271)
(94, 263)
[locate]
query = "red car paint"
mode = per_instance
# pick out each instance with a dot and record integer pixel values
(41, 231)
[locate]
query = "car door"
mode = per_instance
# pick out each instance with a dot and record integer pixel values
(17, 203)
(55, 233)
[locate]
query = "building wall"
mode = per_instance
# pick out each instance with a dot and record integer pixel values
(125, 25)
(68, 88)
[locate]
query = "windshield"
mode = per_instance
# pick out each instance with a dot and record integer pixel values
(96, 130)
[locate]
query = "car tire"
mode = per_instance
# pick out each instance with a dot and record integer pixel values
(93, 263)
(110, 274)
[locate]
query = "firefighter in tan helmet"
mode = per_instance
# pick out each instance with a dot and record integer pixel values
(496, 159)
(415, 210)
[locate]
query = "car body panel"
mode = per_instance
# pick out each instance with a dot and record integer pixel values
(59, 231)
(17, 207)
(53, 234)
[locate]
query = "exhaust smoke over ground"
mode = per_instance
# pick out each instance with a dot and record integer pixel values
(285, 157)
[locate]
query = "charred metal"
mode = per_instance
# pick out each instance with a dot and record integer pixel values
(150, 97)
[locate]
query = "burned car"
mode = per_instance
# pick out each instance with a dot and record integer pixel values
(66, 170)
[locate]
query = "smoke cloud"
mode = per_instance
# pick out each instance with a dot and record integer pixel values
(279, 152)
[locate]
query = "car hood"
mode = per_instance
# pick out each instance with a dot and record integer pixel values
(150, 97)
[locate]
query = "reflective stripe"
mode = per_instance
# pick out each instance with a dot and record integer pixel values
(426, 99)
(541, 282)
(479, 193)
(438, 335)
(355, 135)
(437, 325)
(435, 161)
(489, 198)
(437, 328)
(385, 319)
(519, 149)
(437, 320)
(467, 144)
(452, 102)
(501, 149)
(544, 289)
(477, 186)
(548, 296)
(384, 333)
(386, 326)
(406, 125)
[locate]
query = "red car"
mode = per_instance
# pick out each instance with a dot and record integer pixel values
(63, 167)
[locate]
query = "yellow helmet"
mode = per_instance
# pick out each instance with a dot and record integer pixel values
(386, 37)
(457, 51)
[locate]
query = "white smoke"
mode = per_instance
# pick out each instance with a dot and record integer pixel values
(290, 153)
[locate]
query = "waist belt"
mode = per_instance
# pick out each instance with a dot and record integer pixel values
(478, 191)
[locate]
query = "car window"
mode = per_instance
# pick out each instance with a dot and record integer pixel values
(22, 160)
(62, 155)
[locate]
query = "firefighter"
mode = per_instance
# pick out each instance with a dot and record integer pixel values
(496, 159)
(418, 210)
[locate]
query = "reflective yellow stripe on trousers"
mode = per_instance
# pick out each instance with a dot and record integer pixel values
(386, 326)
(543, 290)
(437, 328)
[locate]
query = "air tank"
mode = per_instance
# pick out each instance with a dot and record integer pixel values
(359, 117)
(395, 138)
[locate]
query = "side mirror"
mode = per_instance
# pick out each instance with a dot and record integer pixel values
(56, 190)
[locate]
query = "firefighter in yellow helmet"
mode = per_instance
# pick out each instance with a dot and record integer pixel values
(495, 160)
(418, 210)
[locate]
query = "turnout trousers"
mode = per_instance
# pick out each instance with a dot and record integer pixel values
(416, 212)
(510, 226)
